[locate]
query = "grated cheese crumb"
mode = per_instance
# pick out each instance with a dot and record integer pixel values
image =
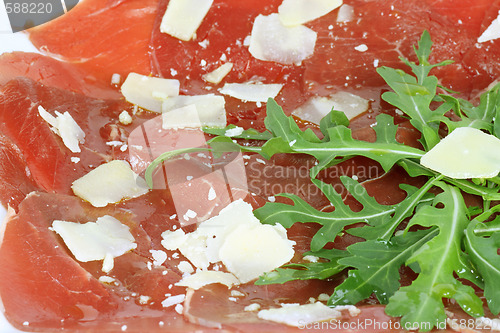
(116, 78)
(361, 48)
(159, 257)
(252, 307)
(125, 118)
(237, 293)
(173, 300)
(179, 308)
(185, 267)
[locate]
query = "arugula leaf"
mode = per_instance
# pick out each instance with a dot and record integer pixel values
(414, 95)
(377, 264)
(289, 138)
(439, 252)
(332, 119)
(332, 222)
(422, 300)
(483, 252)
(415, 169)
(404, 209)
(307, 271)
(480, 117)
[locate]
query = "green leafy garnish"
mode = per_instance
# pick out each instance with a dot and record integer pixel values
(337, 144)
(307, 271)
(483, 252)
(431, 231)
(438, 260)
(414, 94)
(377, 264)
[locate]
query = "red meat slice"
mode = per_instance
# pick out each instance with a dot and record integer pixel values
(389, 29)
(468, 15)
(220, 39)
(48, 160)
(212, 306)
(53, 73)
(16, 179)
(42, 284)
(101, 38)
(484, 57)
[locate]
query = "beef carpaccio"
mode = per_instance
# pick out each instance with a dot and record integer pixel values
(88, 53)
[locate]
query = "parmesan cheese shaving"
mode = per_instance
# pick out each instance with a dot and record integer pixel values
(194, 111)
(236, 238)
(65, 127)
(299, 315)
(316, 108)
(270, 40)
(251, 92)
(345, 14)
(148, 92)
(105, 239)
(109, 183)
(183, 17)
(492, 32)
(203, 278)
(465, 153)
(217, 75)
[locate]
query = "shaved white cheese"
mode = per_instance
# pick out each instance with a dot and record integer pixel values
(270, 40)
(125, 118)
(217, 75)
(492, 32)
(317, 107)
(217, 229)
(311, 258)
(173, 300)
(192, 246)
(109, 183)
(361, 48)
(353, 311)
(185, 267)
(203, 278)
(249, 251)
(465, 153)
(236, 238)
(299, 315)
(159, 257)
(105, 239)
(237, 293)
(183, 17)
(210, 103)
(234, 131)
(106, 279)
(251, 91)
(295, 12)
(66, 127)
(148, 92)
(116, 78)
(194, 111)
(345, 14)
(252, 307)
(186, 116)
